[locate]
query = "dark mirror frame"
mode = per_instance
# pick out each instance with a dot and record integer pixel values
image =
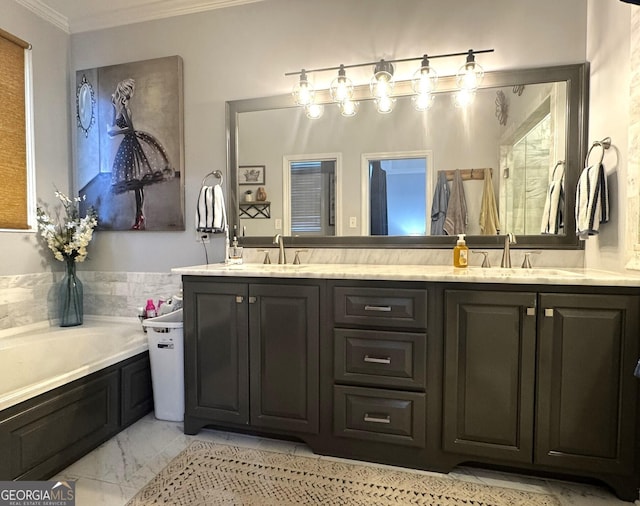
(577, 78)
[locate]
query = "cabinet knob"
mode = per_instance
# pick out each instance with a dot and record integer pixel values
(548, 312)
(239, 299)
(252, 300)
(531, 311)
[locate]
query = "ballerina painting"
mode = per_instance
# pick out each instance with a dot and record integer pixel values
(140, 160)
(138, 151)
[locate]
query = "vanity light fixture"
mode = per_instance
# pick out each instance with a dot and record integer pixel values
(303, 92)
(424, 83)
(470, 75)
(382, 81)
(381, 86)
(341, 88)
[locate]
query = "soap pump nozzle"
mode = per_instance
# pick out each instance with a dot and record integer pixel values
(460, 241)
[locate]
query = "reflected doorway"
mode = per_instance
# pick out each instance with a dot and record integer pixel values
(397, 198)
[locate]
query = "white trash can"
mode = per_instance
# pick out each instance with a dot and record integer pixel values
(166, 353)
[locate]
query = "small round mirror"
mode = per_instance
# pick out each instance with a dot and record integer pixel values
(85, 105)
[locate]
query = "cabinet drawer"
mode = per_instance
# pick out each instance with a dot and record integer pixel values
(379, 415)
(386, 307)
(375, 358)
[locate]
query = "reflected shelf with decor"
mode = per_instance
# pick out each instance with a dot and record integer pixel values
(253, 210)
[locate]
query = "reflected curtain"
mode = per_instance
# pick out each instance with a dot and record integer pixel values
(378, 199)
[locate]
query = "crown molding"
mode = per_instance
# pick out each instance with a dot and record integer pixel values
(156, 10)
(47, 13)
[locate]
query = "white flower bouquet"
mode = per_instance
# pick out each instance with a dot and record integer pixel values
(69, 235)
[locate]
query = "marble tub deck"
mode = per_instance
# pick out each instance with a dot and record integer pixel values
(114, 472)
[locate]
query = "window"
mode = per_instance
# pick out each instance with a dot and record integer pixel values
(312, 190)
(16, 139)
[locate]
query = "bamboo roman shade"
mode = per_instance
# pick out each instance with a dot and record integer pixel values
(13, 144)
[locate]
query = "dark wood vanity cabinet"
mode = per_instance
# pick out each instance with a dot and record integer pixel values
(544, 380)
(423, 375)
(251, 354)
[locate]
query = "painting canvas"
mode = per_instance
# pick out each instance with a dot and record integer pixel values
(129, 144)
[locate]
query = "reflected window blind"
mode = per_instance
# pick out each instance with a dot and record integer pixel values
(13, 144)
(306, 197)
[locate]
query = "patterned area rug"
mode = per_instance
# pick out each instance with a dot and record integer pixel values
(215, 474)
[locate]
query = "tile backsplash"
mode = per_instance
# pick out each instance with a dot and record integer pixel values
(31, 298)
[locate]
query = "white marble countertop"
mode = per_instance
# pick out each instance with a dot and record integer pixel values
(548, 276)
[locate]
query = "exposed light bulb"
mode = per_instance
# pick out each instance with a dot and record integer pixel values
(348, 108)
(463, 98)
(341, 88)
(470, 74)
(382, 82)
(423, 101)
(303, 92)
(314, 111)
(425, 79)
(385, 104)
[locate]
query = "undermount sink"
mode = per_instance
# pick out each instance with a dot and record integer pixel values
(265, 267)
(505, 272)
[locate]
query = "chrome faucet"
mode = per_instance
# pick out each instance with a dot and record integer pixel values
(509, 239)
(279, 240)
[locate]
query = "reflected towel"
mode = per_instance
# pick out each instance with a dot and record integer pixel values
(489, 219)
(592, 201)
(552, 218)
(456, 219)
(439, 204)
(210, 211)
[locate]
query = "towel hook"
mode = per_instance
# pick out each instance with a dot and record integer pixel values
(215, 173)
(604, 144)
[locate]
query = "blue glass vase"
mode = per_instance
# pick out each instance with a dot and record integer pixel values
(70, 297)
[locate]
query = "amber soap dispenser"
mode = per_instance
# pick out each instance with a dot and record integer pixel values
(461, 253)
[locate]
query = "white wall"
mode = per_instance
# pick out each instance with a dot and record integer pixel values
(20, 251)
(608, 50)
(243, 52)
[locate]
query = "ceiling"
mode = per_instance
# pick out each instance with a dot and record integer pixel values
(75, 16)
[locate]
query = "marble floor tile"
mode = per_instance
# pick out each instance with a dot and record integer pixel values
(114, 472)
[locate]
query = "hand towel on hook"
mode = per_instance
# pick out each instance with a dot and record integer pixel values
(210, 210)
(592, 201)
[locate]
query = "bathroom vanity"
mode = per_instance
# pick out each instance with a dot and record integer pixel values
(422, 366)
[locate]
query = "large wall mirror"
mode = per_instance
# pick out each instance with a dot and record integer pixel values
(370, 180)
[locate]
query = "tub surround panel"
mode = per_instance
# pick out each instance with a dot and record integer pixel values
(31, 298)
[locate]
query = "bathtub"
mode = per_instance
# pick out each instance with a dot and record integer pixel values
(37, 358)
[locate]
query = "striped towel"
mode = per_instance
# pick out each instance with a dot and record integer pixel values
(552, 218)
(210, 211)
(592, 201)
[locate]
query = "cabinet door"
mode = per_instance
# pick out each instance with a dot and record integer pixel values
(489, 374)
(284, 330)
(216, 351)
(587, 398)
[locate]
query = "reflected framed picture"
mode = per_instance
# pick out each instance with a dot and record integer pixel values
(251, 174)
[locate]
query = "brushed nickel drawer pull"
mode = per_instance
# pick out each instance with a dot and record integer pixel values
(375, 360)
(376, 419)
(380, 309)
